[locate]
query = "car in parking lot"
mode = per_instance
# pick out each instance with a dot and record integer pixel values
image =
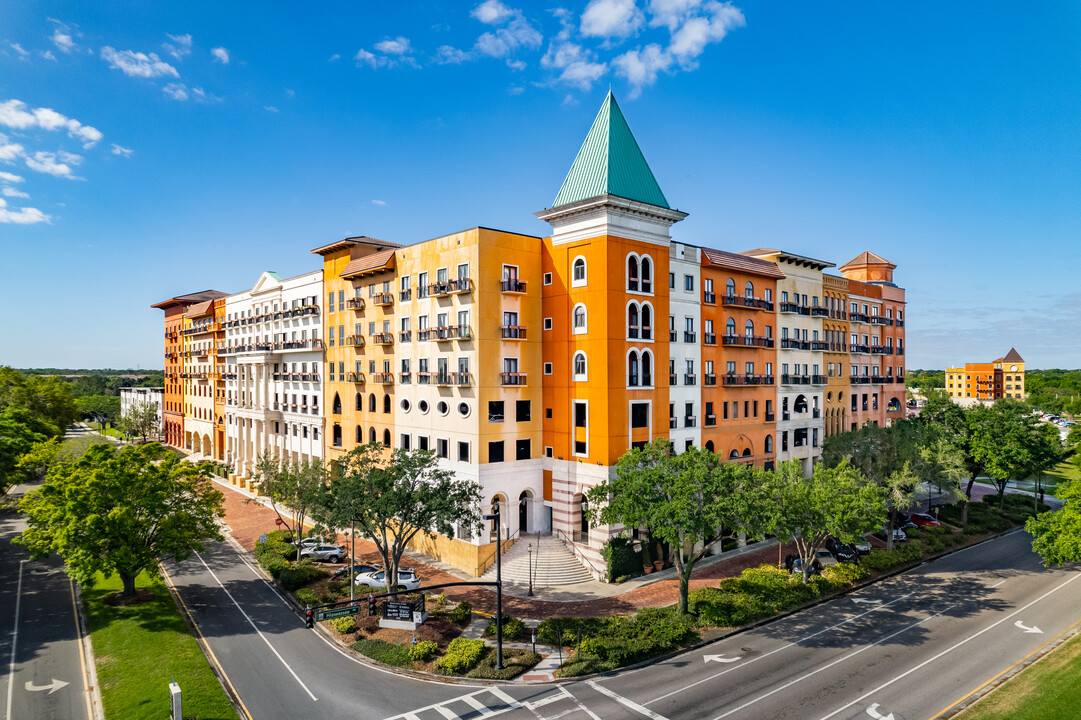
(843, 551)
(823, 558)
(326, 553)
(923, 520)
(898, 535)
(407, 578)
(358, 569)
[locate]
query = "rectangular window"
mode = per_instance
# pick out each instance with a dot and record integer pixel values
(672, 280)
(522, 411)
(522, 449)
(495, 411)
(548, 451)
(463, 451)
(422, 285)
(547, 323)
(495, 451)
(547, 368)
(547, 278)
(442, 447)
(330, 301)
(688, 283)
(405, 441)
(639, 415)
(579, 414)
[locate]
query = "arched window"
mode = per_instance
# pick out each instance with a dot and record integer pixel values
(749, 328)
(337, 405)
(734, 455)
(730, 327)
(730, 287)
(800, 404)
(371, 403)
(749, 289)
(360, 402)
(386, 438)
(579, 319)
(360, 436)
(769, 443)
(746, 452)
(371, 435)
(632, 320)
(578, 272)
(709, 445)
(633, 369)
(386, 404)
(647, 322)
(647, 274)
(647, 368)
(580, 366)
(632, 273)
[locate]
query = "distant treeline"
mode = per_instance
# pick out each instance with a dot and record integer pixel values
(1054, 391)
(87, 383)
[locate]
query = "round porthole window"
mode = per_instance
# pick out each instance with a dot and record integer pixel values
(442, 407)
(423, 406)
(463, 409)
(405, 405)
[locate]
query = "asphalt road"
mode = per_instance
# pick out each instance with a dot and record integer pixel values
(911, 646)
(41, 668)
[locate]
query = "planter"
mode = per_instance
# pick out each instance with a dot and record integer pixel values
(647, 569)
(658, 564)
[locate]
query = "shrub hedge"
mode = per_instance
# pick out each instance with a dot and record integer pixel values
(462, 655)
(620, 641)
(384, 652)
(303, 573)
(307, 596)
(345, 625)
(515, 662)
(461, 613)
(513, 628)
(423, 650)
(621, 559)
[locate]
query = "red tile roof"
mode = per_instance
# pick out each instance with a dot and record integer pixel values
(199, 309)
(734, 261)
(867, 258)
(382, 260)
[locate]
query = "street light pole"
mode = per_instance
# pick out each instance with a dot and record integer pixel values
(529, 549)
(498, 588)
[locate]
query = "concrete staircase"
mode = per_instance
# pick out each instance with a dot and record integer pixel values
(553, 563)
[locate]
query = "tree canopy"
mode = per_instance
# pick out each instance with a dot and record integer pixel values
(120, 510)
(291, 485)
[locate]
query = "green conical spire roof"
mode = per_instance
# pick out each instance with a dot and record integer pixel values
(610, 163)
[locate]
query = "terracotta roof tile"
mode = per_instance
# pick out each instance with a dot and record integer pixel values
(1013, 356)
(734, 261)
(381, 260)
(867, 258)
(199, 309)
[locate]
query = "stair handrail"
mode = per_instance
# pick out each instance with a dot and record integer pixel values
(576, 552)
(511, 536)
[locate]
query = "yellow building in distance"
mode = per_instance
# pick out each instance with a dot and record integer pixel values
(987, 382)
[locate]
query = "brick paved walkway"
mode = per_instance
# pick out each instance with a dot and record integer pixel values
(248, 520)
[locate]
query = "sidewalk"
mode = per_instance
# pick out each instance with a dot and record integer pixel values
(246, 521)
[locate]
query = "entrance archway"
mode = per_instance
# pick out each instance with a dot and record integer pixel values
(525, 505)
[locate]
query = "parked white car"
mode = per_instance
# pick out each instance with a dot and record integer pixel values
(326, 553)
(407, 578)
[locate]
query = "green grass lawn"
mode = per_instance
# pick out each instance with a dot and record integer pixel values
(1048, 689)
(1065, 470)
(110, 431)
(138, 649)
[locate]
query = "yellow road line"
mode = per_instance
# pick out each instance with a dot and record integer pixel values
(961, 699)
(82, 651)
(203, 642)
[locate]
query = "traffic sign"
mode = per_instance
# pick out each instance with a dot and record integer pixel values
(332, 613)
(277, 521)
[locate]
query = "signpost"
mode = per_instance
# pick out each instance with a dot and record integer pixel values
(277, 521)
(333, 613)
(398, 611)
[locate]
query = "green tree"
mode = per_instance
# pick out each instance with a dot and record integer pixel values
(1057, 535)
(837, 501)
(141, 420)
(19, 432)
(120, 511)
(392, 498)
(1005, 443)
(46, 398)
(291, 485)
(102, 408)
(687, 500)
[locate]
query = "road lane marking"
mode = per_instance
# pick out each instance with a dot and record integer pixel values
(873, 712)
(547, 700)
(477, 705)
(483, 710)
(865, 602)
(217, 663)
(256, 628)
(626, 702)
(952, 647)
(967, 695)
(447, 713)
(992, 587)
(82, 652)
(1021, 626)
(14, 639)
(776, 650)
(507, 699)
(52, 687)
(835, 662)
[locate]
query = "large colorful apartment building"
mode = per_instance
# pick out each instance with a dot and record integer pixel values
(1003, 377)
(530, 365)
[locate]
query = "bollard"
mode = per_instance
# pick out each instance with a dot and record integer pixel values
(176, 706)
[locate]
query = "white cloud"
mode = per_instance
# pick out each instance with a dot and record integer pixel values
(18, 115)
(380, 203)
(516, 89)
(516, 64)
(10, 151)
(58, 164)
(270, 108)
(23, 54)
(221, 55)
(672, 13)
(177, 91)
(136, 64)
(180, 45)
(506, 40)
(577, 65)
(62, 39)
(693, 25)
(21, 216)
(122, 151)
(12, 192)
(491, 12)
(640, 67)
(616, 19)
(363, 56)
(447, 55)
(48, 55)
(397, 46)
(334, 58)
(10, 177)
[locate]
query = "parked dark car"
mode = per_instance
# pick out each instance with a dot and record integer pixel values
(842, 551)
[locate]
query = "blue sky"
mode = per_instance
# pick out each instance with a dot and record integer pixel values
(152, 149)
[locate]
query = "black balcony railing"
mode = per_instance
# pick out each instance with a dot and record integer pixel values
(512, 332)
(790, 307)
(709, 298)
(512, 379)
(709, 379)
(733, 379)
(819, 379)
(689, 337)
(689, 379)
(794, 344)
(405, 295)
(858, 317)
(860, 349)
(820, 312)
(747, 341)
(512, 285)
(709, 338)
(405, 336)
(747, 302)
(795, 379)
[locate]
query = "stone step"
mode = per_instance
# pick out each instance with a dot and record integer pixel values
(552, 563)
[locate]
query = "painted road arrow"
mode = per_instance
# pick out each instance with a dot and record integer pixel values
(51, 687)
(866, 602)
(45, 572)
(1028, 629)
(721, 658)
(873, 712)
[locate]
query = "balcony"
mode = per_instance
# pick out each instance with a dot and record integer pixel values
(689, 379)
(789, 307)
(709, 338)
(711, 420)
(383, 338)
(770, 417)
(424, 378)
(404, 378)
(382, 299)
(673, 423)
(795, 379)
(747, 341)
(443, 379)
(439, 289)
(747, 302)
(355, 303)
(512, 332)
(859, 317)
(899, 323)
(736, 380)
(633, 286)
(866, 349)
(690, 421)
(689, 337)
(820, 312)
(673, 379)
(786, 416)
(405, 295)
(405, 336)
(881, 320)
(816, 413)
(899, 351)
(819, 379)
(354, 340)
(859, 379)
(838, 315)
(709, 298)
(461, 379)
(671, 336)
(512, 285)
(383, 378)
(709, 379)
(461, 285)
(793, 344)
(820, 345)
(512, 379)
(355, 377)
(425, 334)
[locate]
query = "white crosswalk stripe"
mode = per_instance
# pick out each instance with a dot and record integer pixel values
(488, 702)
